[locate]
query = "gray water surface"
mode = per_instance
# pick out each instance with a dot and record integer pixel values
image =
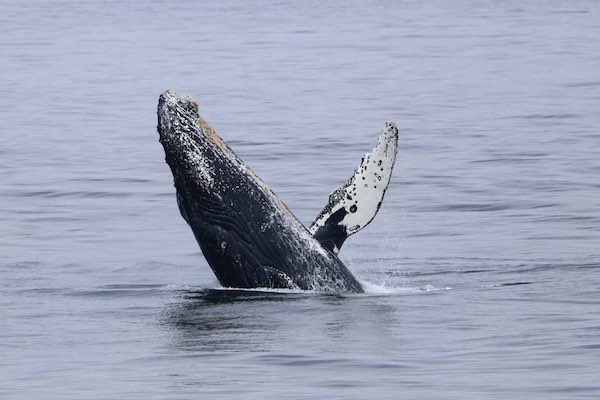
(482, 267)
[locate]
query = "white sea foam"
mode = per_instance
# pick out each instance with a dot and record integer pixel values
(371, 289)
(378, 290)
(264, 290)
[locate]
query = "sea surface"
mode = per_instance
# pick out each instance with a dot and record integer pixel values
(482, 268)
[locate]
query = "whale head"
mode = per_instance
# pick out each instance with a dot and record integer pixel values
(219, 197)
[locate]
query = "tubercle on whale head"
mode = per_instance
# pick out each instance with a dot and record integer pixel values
(175, 114)
(186, 102)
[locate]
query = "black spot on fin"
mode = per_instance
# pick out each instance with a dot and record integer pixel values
(332, 235)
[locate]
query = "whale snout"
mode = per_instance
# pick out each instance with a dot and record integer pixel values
(183, 140)
(170, 102)
(176, 115)
(177, 125)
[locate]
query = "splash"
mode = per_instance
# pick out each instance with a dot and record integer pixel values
(374, 289)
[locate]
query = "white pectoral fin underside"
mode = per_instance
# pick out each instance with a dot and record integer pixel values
(354, 205)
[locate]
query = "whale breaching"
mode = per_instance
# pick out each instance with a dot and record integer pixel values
(248, 236)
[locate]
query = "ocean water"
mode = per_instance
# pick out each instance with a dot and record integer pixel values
(482, 268)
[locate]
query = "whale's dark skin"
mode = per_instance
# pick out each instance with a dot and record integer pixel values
(248, 236)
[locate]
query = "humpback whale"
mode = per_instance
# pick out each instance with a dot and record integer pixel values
(248, 236)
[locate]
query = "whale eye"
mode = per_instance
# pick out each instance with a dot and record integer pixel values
(353, 208)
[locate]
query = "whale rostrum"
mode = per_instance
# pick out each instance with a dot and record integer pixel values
(248, 236)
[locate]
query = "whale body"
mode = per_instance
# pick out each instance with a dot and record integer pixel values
(248, 236)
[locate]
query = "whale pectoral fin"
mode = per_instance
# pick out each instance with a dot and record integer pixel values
(354, 205)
